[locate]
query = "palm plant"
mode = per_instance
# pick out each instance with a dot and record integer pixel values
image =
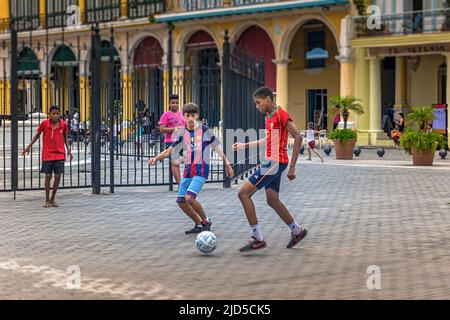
(344, 105)
(421, 117)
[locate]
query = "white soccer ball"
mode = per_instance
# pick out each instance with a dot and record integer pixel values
(206, 242)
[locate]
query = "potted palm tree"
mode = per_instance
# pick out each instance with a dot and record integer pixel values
(418, 140)
(344, 140)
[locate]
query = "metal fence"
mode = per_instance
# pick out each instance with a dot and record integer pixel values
(112, 118)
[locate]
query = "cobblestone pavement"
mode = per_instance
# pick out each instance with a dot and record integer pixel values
(131, 245)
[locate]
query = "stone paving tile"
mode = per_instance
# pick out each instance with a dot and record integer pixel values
(131, 245)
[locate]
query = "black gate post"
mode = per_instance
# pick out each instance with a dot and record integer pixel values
(95, 110)
(14, 111)
(170, 84)
(226, 103)
(111, 112)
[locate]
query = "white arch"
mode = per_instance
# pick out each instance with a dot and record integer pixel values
(285, 44)
(239, 29)
(184, 38)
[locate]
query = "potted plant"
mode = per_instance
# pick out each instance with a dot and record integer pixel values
(344, 140)
(418, 140)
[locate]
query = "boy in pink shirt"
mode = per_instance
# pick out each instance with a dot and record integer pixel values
(171, 121)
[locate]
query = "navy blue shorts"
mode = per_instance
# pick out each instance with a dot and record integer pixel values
(268, 176)
(56, 167)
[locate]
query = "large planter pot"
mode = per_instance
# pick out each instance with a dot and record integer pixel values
(344, 150)
(422, 158)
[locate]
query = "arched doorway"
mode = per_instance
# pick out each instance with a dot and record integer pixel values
(29, 82)
(313, 74)
(255, 41)
(148, 84)
(202, 83)
(64, 80)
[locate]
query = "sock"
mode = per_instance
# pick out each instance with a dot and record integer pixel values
(204, 221)
(256, 230)
(295, 228)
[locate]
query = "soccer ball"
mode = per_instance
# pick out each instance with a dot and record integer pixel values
(206, 242)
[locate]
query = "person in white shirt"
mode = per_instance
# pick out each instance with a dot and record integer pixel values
(310, 139)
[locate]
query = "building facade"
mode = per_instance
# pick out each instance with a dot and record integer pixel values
(304, 47)
(404, 60)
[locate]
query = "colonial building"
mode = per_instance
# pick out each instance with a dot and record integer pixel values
(402, 60)
(305, 56)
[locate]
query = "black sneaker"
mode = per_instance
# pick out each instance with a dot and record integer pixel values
(296, 239)
(207, 225)
(195, 229)
(254, 244)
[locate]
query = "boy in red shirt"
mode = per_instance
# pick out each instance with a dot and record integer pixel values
(278, 125)
(53, 152)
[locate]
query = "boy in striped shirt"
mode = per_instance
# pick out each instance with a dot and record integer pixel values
(196, 140)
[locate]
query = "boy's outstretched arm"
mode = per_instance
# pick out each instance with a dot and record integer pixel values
(248, 145)
(28, 148)
(165, 154)
(295, 133)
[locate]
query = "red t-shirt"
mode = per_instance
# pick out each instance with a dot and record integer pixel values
(53, 144)
(277, 136)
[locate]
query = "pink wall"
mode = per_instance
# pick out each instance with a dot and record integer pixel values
(255, 41)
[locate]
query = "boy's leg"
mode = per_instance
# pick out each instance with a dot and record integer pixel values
(187, 209)
(320, 157)
(58, 169)
(48, 178)
(176, 170)
(193, 191)
(273, 200)
(309, 153)
(47, 170)
(55, 189)
(262, 177)
(245, 196)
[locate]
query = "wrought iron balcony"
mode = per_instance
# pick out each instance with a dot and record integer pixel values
(413, 22)
(25, 14)
(145, 8)
(57, 12)
(102, 10)
(196, 5)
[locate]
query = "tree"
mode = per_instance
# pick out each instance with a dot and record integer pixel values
(344, 105)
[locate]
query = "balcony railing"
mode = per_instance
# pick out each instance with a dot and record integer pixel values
(145, 8)
(102, 10)
(414, 22)
(25, 14)
(57, 12)
(196, 5)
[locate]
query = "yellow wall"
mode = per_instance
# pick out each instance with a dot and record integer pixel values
(423, 84)
(5, 93)
(300, 82)
(302, 79)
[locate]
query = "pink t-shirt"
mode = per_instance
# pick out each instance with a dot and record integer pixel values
(171, 120)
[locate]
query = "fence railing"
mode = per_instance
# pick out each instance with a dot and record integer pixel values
(173, 6)
(145, 8)
(413, 22)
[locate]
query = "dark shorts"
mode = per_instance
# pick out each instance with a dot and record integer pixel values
(49, 167)
(312, 144)
(167, 145)
(268, 176)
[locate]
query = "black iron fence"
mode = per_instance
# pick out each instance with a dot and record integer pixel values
(414, 22)
(113, 116)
